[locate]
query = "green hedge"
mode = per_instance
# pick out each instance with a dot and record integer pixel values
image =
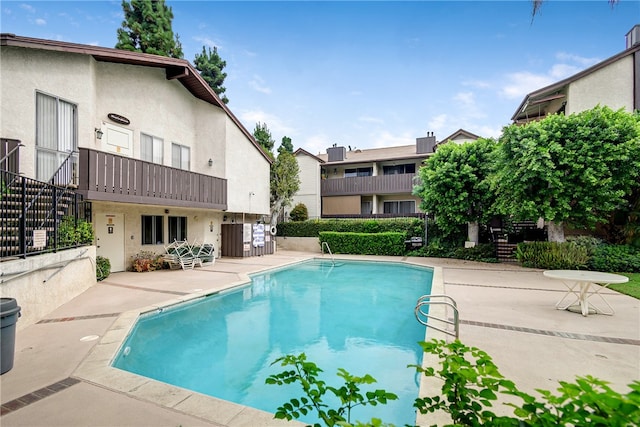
(580, 254)
(364, 243)
(552, 255)
(615, 259)
(409, 226)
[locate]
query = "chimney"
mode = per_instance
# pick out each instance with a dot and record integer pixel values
(633, 36)
(426, 144)
(336, 154)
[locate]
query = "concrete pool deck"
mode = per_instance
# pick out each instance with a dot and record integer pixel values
(60, 374)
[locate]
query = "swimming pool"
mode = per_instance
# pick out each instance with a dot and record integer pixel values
(356, 315)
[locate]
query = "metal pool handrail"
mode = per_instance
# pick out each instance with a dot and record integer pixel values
(423, 317)
(328, 250)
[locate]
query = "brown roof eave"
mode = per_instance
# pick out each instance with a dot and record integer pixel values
(180, 69)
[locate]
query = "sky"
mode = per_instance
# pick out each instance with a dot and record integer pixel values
(366, 74)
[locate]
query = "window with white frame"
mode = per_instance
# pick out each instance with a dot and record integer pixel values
(56, 134)
(152, 227)
(151, 148)
(180, 156)
(400, 207)
(177, 228)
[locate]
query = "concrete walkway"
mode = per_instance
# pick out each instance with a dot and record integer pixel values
(505, 310)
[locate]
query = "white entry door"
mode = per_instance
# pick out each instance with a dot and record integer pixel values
(110, 235)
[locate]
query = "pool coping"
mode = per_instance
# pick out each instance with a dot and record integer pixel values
(97, 369)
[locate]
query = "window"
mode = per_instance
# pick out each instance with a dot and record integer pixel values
(151, 148)
(358, 172)
(177, 228)
(399, 169)
(400, 207)
(180, 156)
(152, 226)
(56, 134)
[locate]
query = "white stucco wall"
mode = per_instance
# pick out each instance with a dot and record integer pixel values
(309, 192)
(611, 86)
(248, 174)
(22, 72)
(52, 280)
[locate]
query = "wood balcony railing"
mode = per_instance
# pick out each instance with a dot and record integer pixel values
(381, 184)
(109, 177)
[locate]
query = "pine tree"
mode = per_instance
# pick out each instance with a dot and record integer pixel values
(262, 134)
(210, 66)
(147, 28)
(286, 145)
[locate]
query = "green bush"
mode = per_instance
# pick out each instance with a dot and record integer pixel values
(299, 213)
(103, 268)
(589, 242)
(364, 243)
(471, 386)
(615, 258)
(72, 234)
(312, 228)
(552, 255)
(484, 252)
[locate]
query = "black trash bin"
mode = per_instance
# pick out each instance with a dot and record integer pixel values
(9, 313)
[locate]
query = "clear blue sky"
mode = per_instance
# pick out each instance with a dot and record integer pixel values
(366, 74)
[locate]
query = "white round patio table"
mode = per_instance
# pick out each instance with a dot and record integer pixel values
(581, 285)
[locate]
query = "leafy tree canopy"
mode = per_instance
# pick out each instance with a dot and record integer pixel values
(285, 182)
(286, 145)
(147, 28)
(262, 134)
(455, 183)
(210, 66)
(575, 169)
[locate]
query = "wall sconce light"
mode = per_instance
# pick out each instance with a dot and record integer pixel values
(224, 218)
(335, 171)
(210, 162)
(99, 133)
(211, 226)
(166, 211)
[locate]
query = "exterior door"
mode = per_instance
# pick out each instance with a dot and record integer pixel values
(110, 235)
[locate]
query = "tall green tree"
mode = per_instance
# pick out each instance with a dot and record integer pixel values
(573, 170)
(210, 66)
(285, 181)
(286, 145)
(455, 185)
(147, 28)
(262, 134)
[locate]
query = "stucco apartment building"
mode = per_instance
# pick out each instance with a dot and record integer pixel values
(614, 82)
(146, 140)
(345, 182)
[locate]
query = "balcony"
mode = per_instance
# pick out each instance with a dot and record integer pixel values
(109, 177)
(367, 185)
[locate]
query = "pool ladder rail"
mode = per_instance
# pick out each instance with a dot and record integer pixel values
(328, 250)
(423, 317)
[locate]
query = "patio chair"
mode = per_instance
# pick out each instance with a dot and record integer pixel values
(179, 255)
(204, 253)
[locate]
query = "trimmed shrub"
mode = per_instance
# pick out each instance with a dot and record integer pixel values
(103, 268)
(312, 228)
(485, 252)
(615, 259)
(299, 213)
(364, 243)
(552, 255)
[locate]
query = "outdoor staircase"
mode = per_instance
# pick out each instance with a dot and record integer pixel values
(27, 205)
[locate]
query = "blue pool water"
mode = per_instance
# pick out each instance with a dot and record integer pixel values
(356, 315)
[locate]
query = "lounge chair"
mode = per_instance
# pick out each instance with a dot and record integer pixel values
(204, 253)
(179, 255)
